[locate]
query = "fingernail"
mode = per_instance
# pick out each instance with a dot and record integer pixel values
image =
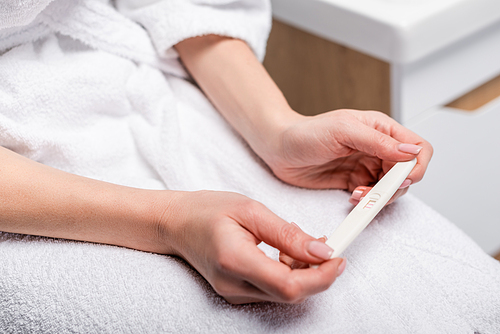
(319, 250)
(405, 184)
(410, 148)
(356, 194)
(297, 226)
(341, 267)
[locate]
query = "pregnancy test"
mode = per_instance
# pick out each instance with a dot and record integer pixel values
(368, 207)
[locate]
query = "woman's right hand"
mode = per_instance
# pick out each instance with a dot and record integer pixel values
(218, 233)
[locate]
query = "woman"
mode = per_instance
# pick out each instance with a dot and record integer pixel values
(109, 118)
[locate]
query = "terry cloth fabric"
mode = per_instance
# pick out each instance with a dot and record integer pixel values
(98, 110)
(151, 23)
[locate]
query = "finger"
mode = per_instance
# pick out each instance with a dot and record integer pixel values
(398, 194)
(291, 262)
(295, 264)
(379, 135)
(360, 192)
(375, 143)
(283, 284)
(249, 275)
(373, 133)
(236, 290)
(290, 239)
(408, 139)
(423, 160)
(389, 149)
(286, 259)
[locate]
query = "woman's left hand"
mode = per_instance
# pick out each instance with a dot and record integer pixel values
(345, 149)
(341, 149)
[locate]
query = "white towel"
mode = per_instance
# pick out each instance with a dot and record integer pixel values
(105, 116)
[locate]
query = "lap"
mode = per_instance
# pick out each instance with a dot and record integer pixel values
(399, 278)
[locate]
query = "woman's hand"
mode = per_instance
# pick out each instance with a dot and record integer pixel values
(344, 149)
(218, 234)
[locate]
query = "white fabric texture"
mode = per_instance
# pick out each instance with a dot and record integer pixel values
(97, 24)
(20, 12)
(248, 20)
(94, 112)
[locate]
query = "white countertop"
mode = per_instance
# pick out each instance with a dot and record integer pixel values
(399, 31)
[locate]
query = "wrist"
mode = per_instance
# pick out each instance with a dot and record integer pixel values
(126, 217)
(162, 221)
(180, 222)
(240, 88)
(266, 136)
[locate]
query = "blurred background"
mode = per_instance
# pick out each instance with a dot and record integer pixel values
(434, 66)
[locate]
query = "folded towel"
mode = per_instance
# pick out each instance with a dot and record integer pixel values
(95, 113)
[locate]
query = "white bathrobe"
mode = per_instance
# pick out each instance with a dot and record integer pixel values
(95, 88)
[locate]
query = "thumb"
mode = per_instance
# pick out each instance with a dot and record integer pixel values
(289, 238)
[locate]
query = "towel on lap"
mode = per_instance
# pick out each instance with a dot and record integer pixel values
(102, 113)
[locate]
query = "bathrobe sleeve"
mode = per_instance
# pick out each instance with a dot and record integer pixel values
(171, 21)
